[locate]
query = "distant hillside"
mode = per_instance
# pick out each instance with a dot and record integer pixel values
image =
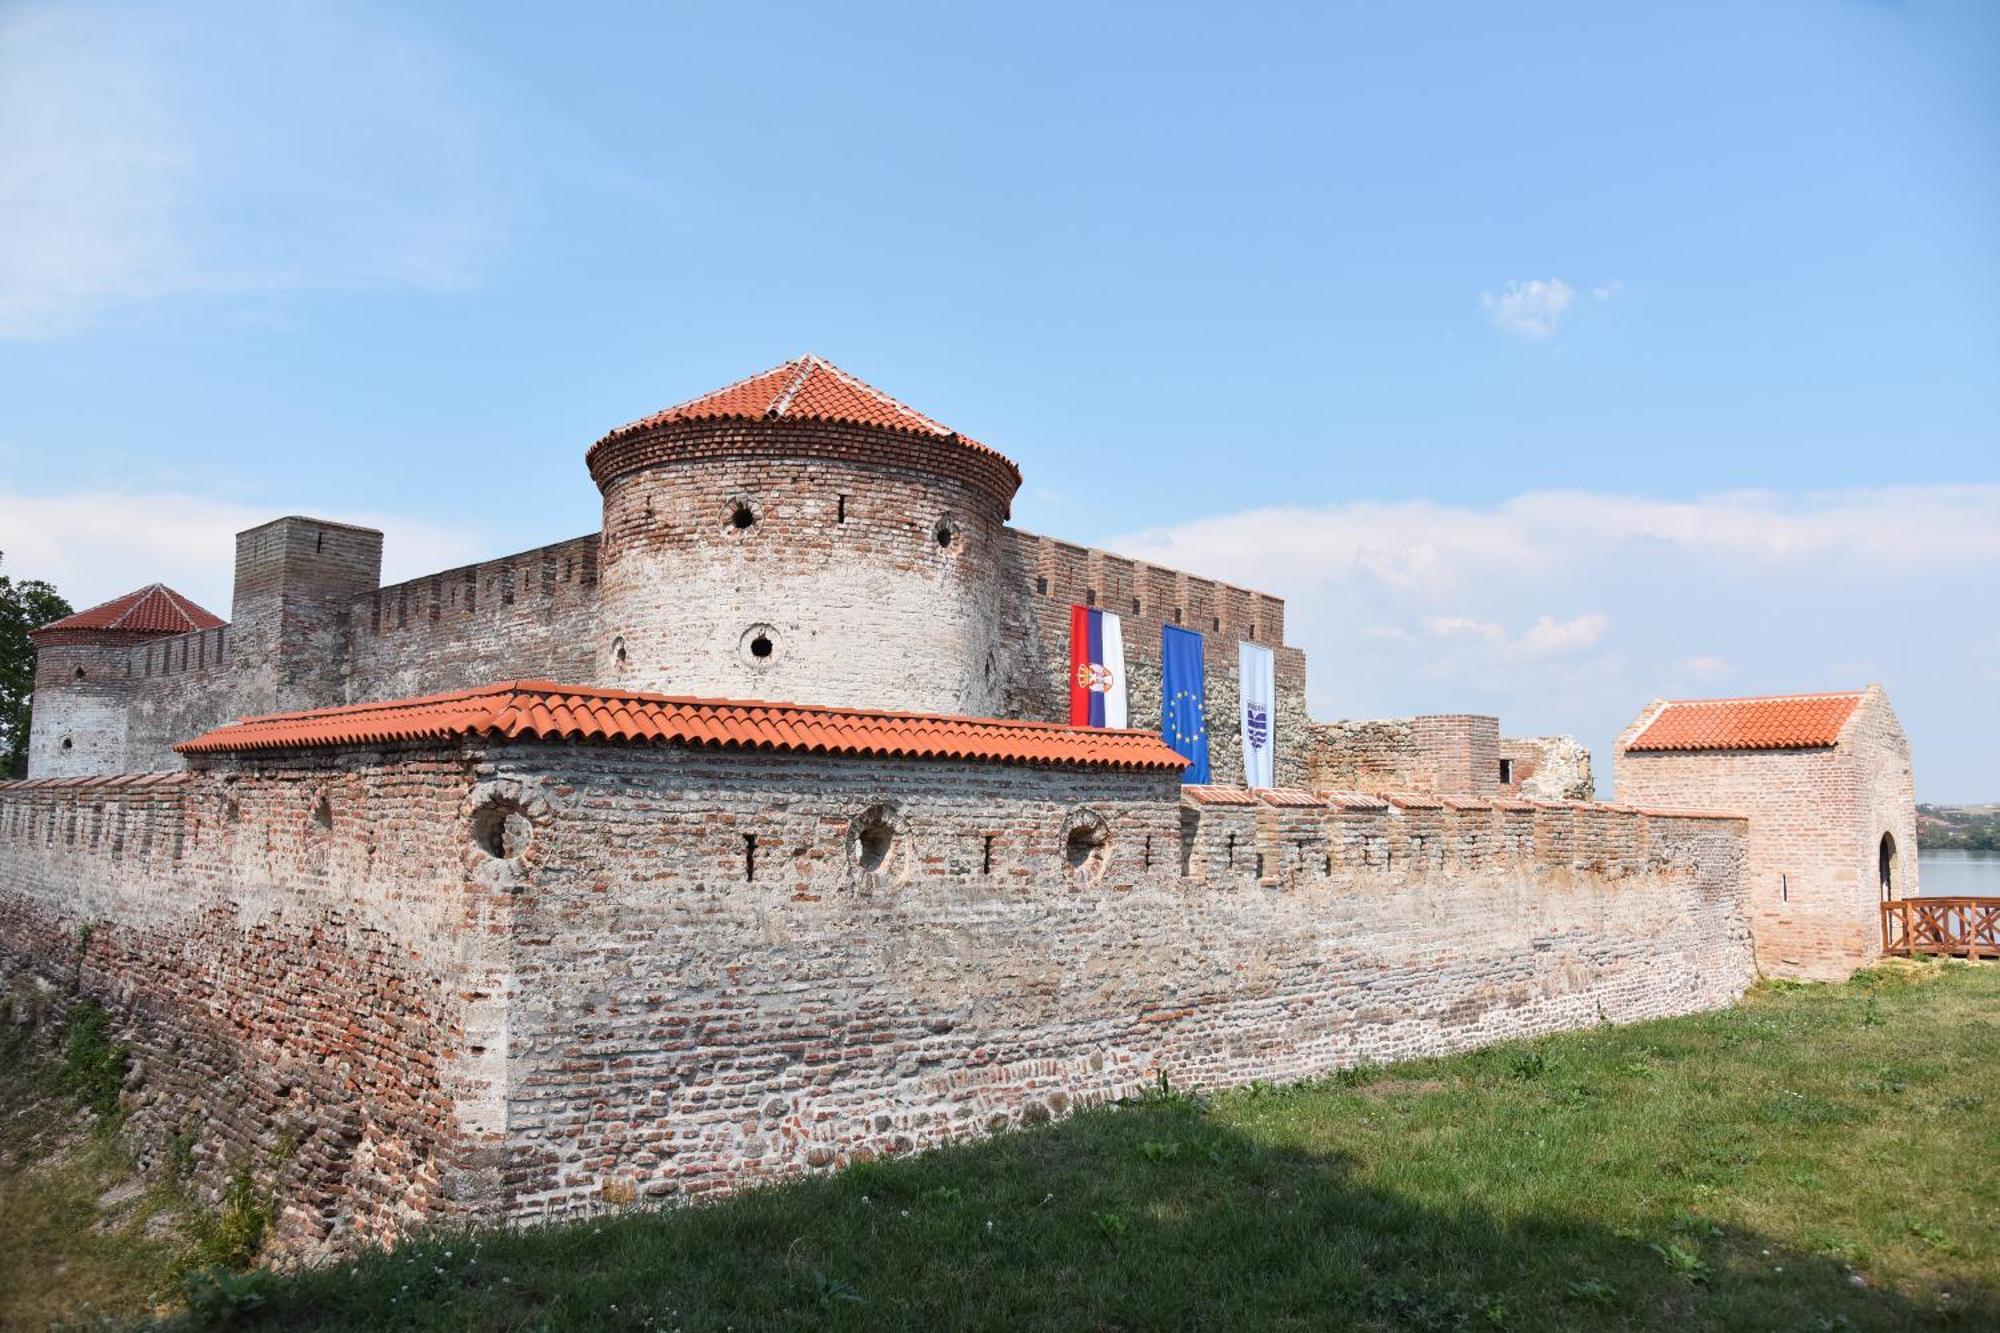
(1966, 827)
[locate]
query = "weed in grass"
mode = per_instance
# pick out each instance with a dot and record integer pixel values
(1683, 1261)
(93, 1066)
(1591, 1291)
(229, 1235)
(217, 1296)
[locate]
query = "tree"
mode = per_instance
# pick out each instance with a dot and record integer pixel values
(26, 605)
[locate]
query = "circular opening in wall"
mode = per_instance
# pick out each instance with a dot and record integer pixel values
(501, 829)
(874, 838)
(741, 515)
(946, 532)
(79, 673)
(759, 646)
(67, 743)
(1086, 843)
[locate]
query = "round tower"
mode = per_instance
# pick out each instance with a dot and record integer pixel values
(801, 536)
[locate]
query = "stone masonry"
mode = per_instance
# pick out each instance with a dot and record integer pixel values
(679, 971)
(428, 935)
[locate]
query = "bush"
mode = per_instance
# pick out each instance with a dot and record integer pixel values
(228, 1236)
(93, 1066)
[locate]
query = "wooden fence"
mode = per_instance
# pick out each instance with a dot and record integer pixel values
(1948, 927)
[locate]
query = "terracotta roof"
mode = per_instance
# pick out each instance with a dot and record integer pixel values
(543, 710)
(153, 609)
(1776, 722)
(1290, 797)
(806, 388)
(157, 779)
(1210, 794)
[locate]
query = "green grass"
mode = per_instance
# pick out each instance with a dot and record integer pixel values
(1821, 1157)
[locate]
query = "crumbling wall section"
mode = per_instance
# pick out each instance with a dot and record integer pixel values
(1547, 768)
(293, 956)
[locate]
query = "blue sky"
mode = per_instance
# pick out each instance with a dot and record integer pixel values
(1548, 358)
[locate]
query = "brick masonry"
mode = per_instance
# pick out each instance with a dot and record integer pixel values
(674, 977)
(1818, 818)
(879, 569)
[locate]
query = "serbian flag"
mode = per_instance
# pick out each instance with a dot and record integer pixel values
(1096, 668)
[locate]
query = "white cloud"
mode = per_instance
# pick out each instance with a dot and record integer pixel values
(1529, 309)
(1604, 291)
(1430, 551)
(97, 545)
(229, 150)
(1705, 667)
(1564, 611)
(1549, 637)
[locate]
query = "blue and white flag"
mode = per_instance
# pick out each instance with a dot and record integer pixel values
(1184, 700)
(1256, 678)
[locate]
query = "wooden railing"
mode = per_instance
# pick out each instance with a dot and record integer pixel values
(1947, 927)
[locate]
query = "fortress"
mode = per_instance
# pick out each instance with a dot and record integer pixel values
(748, 837)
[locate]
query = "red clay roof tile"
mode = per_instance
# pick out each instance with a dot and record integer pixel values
(1210, 794)
(543, 710)
(153, 609)
(807, 388)
(1775, 722)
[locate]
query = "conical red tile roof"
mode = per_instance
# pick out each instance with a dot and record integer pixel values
(153, 609)
(806, 388)
(543, 710)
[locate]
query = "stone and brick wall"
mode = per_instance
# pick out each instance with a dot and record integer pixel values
(529, 615)
(718, 993)
(1056, 575)
(1547, 768)
(294, 954)
(540, 976)
(1817, 817)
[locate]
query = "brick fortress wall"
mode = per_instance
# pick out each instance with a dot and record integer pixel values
(684, 981)
(293, 955)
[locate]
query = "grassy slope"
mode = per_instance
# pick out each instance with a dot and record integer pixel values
(81, 1236)
(1819, 1158)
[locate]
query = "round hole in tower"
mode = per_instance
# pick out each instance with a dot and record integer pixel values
(67, 743)
(1086, 842)
(759, 646)
(79, 673)
(502, 829)
(872, 839)
(741, 515)
(946, 532)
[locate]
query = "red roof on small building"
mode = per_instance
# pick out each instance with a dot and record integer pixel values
(1774, 722)
(807, 388)
(153, 609)
(543, 710)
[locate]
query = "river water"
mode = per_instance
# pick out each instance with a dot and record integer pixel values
(1958, 874)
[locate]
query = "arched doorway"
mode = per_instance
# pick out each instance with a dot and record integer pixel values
(1885, 862)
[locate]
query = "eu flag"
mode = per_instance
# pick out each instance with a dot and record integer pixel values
(1183, 700)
